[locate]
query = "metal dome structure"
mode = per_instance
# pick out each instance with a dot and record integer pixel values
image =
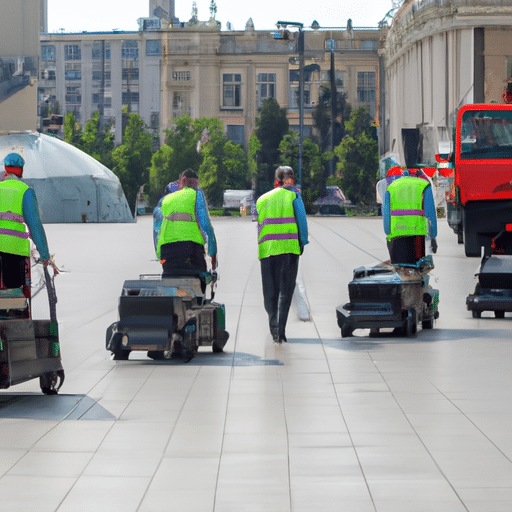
(70, 185)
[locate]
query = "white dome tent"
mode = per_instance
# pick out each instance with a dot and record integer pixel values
(70, 185)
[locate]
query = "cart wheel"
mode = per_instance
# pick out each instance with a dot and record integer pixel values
(499, 314)
(427, 323)
(346, 331)
(51, 382)
(410, 323)
(120, 355)
(476, 314)
(220, 342)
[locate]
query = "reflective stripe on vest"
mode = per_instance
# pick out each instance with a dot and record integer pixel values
(179, 223)
(14, 234)
(277, 227)
(406, 207)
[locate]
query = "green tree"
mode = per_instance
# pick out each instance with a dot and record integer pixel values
(358, 159)
(179, 152)
(98, 141)
(132, 159)
(312, 165)
(72, 130)
(271, 126)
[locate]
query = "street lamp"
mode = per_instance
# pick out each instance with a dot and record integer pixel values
(300, 50)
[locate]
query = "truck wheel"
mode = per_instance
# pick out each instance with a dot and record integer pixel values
(120, 355)
(471, 245)
(499, 314)
(476, 314)
(460, 236)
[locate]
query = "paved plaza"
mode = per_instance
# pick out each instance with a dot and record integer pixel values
(321, 423)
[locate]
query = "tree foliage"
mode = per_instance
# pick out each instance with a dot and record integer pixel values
(358, 159)
(201, 145)
(132, 159)
(312, 165)
(271, 126)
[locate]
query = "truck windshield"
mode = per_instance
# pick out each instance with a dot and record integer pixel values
(486, 134)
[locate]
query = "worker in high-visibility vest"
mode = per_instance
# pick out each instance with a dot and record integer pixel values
(185, 229)
(409, 215)
(19, 221)
(282, 235)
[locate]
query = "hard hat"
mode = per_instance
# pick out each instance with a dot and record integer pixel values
(14, 160)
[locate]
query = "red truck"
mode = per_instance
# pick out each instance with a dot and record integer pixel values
(480, 202)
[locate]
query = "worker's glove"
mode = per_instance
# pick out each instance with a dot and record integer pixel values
(433, 245)
(214, 262)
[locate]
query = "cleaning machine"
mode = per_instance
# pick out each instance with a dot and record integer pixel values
(29, 349)
(386, 295)
(493, 291)
(167, 317)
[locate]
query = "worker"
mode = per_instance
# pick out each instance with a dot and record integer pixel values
(282, 235)
(184, 230)
(19, 221)
(409, 216)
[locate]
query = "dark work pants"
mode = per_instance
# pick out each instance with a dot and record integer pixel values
(183, 259)
(12, 269)
(406, 249)
(278, 274)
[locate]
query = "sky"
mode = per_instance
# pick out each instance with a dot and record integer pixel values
(106, 15)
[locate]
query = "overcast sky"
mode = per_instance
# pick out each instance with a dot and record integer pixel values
(105, 15)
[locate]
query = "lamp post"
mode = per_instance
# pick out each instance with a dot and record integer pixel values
(300, 50)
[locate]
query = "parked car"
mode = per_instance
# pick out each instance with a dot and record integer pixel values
(333, 202)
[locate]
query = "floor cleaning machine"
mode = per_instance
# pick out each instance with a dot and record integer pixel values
(29, 349)
(493, 291)
(167, 317)
(395, 296)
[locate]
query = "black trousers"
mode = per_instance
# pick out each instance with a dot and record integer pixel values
(12, 270)
(278, 275)
(406, 249)
(183, 259)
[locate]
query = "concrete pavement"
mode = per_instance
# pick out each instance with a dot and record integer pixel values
(320, 423)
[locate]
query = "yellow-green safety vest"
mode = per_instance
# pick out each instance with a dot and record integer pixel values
(179, 223)
(14, 234)
(407, 214)
(278, 232)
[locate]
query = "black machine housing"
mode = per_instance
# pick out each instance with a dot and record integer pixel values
(493, 292)
(390, 296)
(166, 317)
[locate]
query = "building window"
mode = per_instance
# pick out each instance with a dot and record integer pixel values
(179, 103)
(181, 76)
(47, 52)
(130, 50)
(236, 133)
(294, 88)
(153, 47)
(130, 74)
(231, 89)
(130, 98)
(366, 86)
(73, 72)
(266, 87)
(368, 44)
(73, 95)
(97, 49)
(72, 52)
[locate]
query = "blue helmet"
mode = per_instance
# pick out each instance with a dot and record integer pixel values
(14, 160)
